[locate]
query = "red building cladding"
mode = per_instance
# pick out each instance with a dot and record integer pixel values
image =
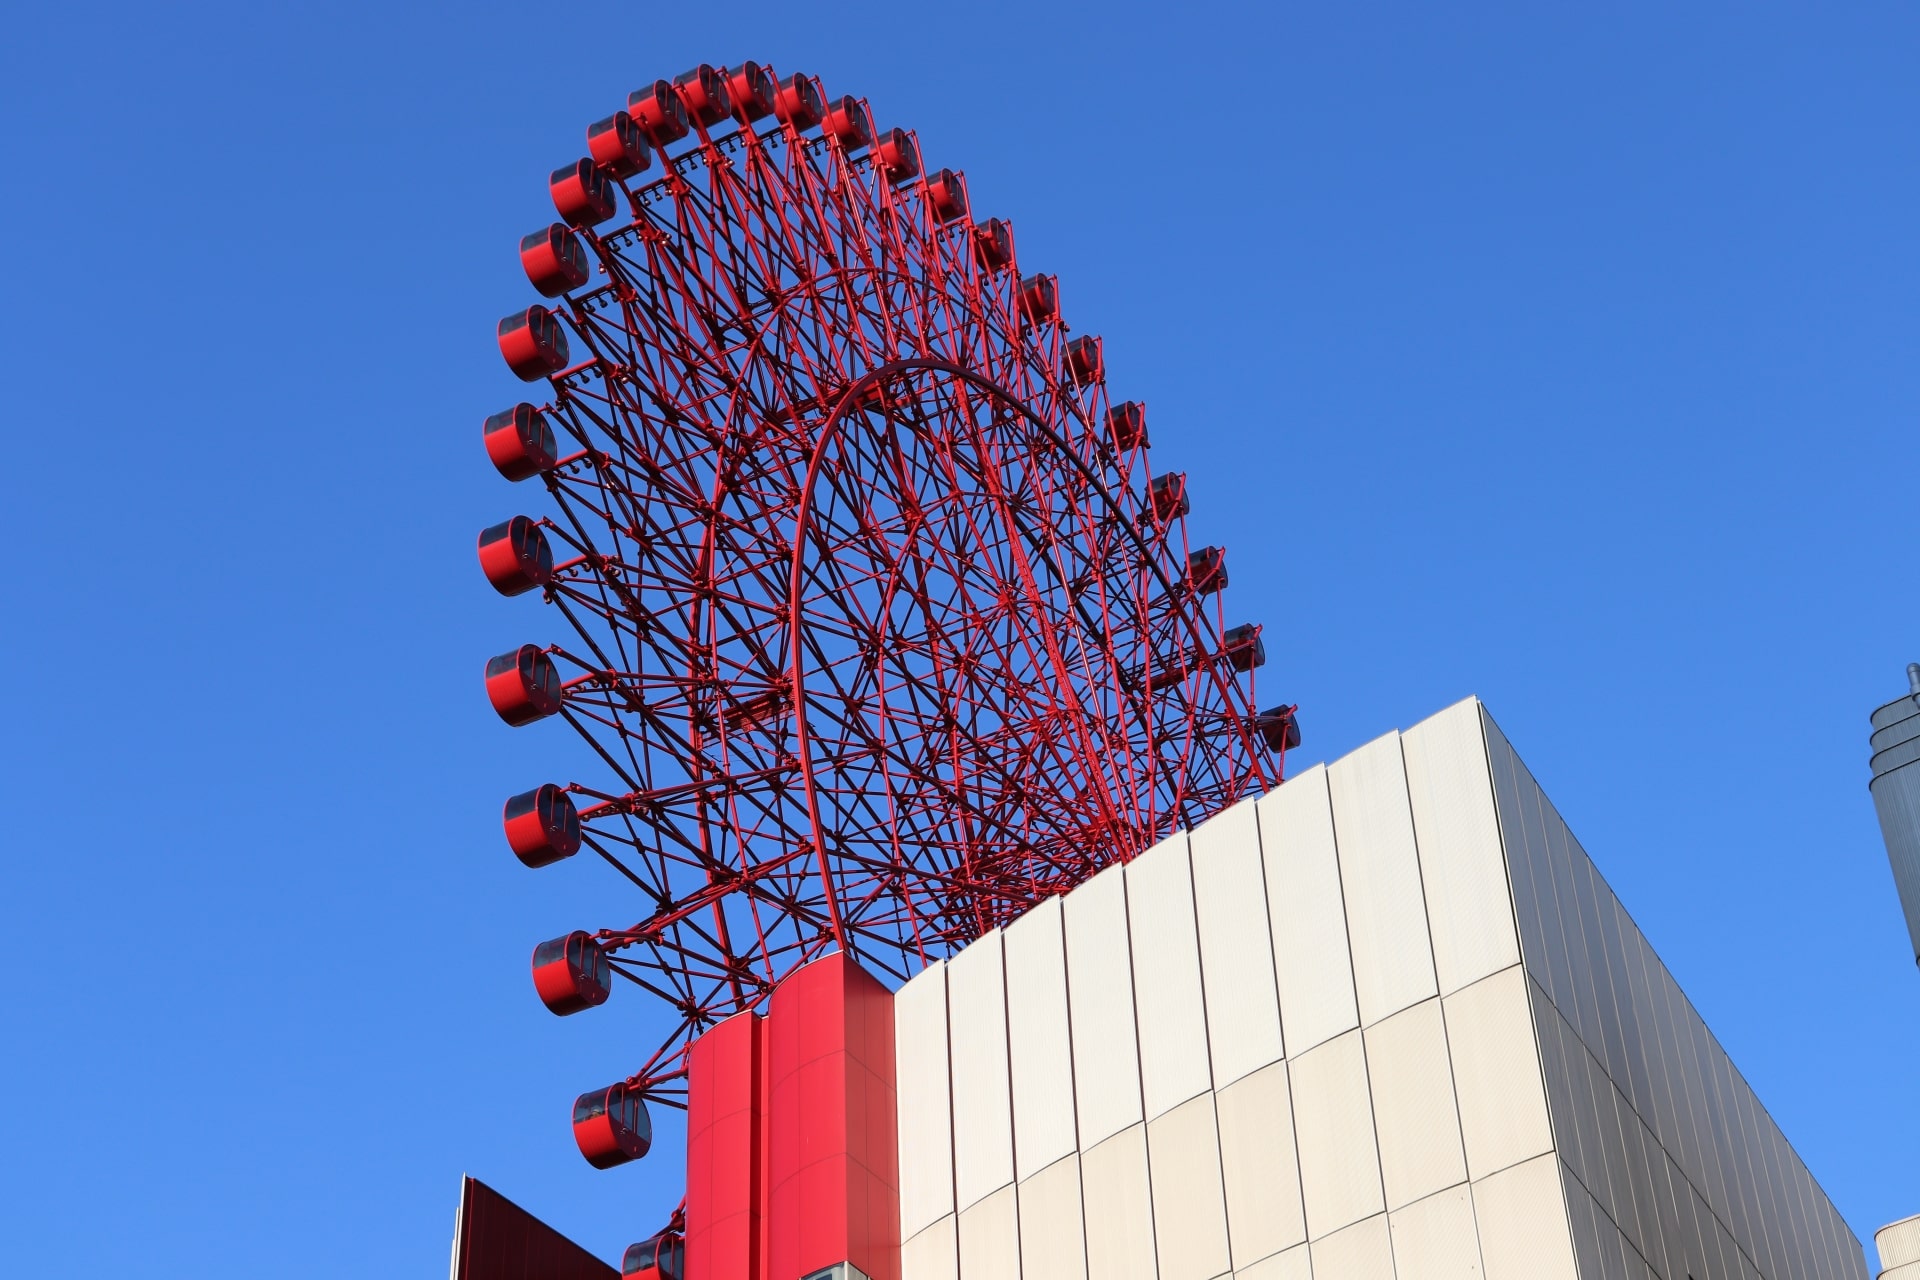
(833, 1157)
(726, 1158)
(792, 1159)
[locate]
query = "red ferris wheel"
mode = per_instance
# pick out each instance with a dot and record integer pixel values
(874, 616)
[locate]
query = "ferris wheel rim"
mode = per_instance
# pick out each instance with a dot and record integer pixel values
(718, 408)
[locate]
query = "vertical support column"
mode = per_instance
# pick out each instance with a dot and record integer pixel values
(726, 1151)
(833, 1156)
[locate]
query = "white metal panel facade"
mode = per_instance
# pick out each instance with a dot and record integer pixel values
(982, 1088)
(1503, 1105)
(1436, 1238)
(1259, 1165)
(1189, 1203)
(1236, 945)
(1309, 915)
(1380, 875)
(933, 1254)
(1363, 1251)
(1898, 1243)
(1039, 1045)
(1462, 865)
(1559, 1113)
(1106, 1053)
(1522, 1216)
(1333, 1125)
(1413, 1104)
(1295, 1264)
(924, 1096)
(1052, 1231)
(990, 1237)
(1119, 1203)
(1167, 997)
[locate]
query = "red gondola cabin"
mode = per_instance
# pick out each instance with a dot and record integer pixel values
(662, 116)
(542, 825)
(751, 88)
(611, 1126)
(850, 123)
(1242, 647)
(1167, 496)
(1127, 424)
(898, 155)
(618, 145)
(582, 193)
(520, 442)
(947, 194)
(1207, 570)
(533, 343)
(704, 93)
(516, 556)
(572, 973)
(554, 260)
(799, 102)
(1087, 361)
(1280, 726)
(664, 1257)
(524, 685)
(993, 245)
(1040, 299)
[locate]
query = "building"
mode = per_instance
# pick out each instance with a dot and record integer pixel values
(1386, 1022)
(1896, 795)
(1899, 1247)
(495, 1239)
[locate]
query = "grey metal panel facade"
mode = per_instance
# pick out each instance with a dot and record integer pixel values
(1672, 1166)
(1895, 744)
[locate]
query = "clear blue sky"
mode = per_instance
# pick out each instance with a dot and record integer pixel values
(1564, 358)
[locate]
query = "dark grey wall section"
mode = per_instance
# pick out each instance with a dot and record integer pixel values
(1670, 1162)
(1896, 795)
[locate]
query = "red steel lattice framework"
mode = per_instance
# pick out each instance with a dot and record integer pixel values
(881, 630)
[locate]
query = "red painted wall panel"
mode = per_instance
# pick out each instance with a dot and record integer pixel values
(725, 1145)
(832, 1157)
(792, 1150)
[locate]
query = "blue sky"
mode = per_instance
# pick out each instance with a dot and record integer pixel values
(1566, 358)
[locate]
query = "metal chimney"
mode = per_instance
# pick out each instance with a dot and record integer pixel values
(1896, 794)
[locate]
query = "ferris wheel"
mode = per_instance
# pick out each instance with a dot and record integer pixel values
(877, 622)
